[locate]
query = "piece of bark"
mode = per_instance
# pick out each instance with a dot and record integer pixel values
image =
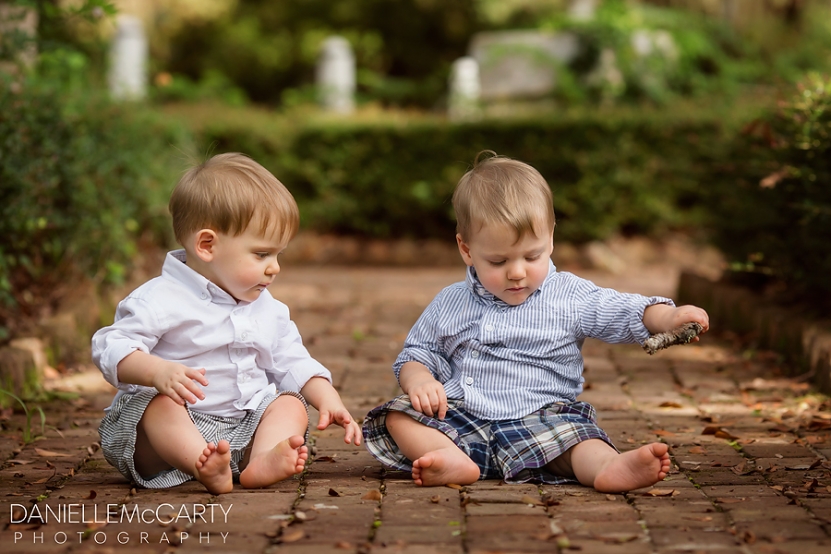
(679, 335)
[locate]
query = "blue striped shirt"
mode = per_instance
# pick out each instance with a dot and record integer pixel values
(506, 361)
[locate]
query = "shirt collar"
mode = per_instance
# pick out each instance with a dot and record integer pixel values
(478, 290)
(175, 268)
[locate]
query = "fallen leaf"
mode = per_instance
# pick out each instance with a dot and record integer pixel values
(749, 537)
(325, 459)
(550, 499)
(435, 499)
(91, 495)
(742, 468)
(664, 433)
(805, 467)
(526, 499)
(333, 492)
(343, 545)
(374, 495)
(661, 492)
(454, 486)
(711, 430)
(50, 454)
(292, 536)
(724, 434)
(15, 461)
(670, 404)
(698, 450)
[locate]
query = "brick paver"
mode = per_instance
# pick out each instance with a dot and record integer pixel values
(751, 470)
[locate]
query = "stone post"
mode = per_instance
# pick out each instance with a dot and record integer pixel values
(582, 10)
(336, 76)
(128, 60)
(465, 90)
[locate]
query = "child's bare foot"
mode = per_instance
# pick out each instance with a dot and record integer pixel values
(213, 468)
(634, 469)
(284, 460)
(445, 466)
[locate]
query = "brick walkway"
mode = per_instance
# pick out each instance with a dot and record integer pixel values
(750, 456)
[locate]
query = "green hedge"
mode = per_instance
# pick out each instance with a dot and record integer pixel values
(81, 179)
(621, 171)
(772, 210)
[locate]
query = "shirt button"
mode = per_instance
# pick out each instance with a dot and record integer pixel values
(488, 327)
(204, 295)
(474, 354)
(244, 336)
(469, 380)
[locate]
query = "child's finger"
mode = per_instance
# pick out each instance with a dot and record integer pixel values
(325, 420)
(343, 417)
(192, 388)
(198, 375)
(173, 396)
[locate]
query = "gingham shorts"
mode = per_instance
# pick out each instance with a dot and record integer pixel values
(118, 435)
(514, 450)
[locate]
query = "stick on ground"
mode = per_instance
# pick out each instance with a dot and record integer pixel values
(679, 335)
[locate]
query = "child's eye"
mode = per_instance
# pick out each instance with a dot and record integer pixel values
(532, 258)
(497, 264)
(262, 255)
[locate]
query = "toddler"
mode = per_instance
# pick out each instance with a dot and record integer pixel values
(492, 369)
(211, 372)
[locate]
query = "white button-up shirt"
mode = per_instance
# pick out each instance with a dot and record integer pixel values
(248, 349)
(509, 361)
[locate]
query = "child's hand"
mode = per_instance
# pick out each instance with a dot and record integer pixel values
(428, 397)
(320, 393)
(661, 318)
(340, 416)
(179, 382)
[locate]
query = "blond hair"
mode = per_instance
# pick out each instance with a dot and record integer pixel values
(499, 190)
(229, 192)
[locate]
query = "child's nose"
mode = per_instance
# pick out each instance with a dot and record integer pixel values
(516, 272)
(273, 268)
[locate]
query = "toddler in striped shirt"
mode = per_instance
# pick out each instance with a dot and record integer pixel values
(492, 369)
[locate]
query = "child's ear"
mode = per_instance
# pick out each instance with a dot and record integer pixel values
(464, 250)
(204, 244)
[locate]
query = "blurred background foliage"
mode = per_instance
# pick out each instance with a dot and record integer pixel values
(680, 140)
(265, 52)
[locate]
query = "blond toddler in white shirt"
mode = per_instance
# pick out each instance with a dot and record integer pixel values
(212, 374)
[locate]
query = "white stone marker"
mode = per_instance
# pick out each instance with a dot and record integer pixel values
(128, 60)
(336, 76)
(465, 90)
(582, 10)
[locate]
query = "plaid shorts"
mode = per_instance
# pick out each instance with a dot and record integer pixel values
(514, 450)
(118, 435)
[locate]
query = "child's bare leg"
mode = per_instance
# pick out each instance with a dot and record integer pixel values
(277, 450)
(596, 464)
(166, 437)
(436, 459)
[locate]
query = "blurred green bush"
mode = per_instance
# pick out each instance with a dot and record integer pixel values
(611, 171)
(772, 202)
(82, 179)
(80, 182)
(403, 48)
(269, 50)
